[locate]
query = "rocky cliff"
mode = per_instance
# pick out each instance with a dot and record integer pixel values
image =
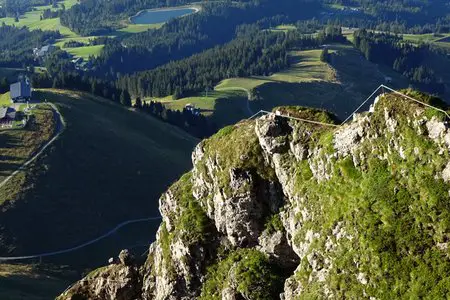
(279, 208)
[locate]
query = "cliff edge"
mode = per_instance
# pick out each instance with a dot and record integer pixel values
(279, 208)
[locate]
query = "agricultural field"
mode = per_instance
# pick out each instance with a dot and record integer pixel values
(283, 28)
(438, 40)
(339, 86)
(86, 51)
(351, 79)
(305, 67)
(425, 38)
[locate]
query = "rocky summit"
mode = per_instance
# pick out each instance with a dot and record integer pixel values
(277, 208)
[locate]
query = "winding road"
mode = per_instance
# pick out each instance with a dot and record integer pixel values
(85, 244)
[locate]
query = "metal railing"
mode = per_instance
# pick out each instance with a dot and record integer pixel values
(381, 87)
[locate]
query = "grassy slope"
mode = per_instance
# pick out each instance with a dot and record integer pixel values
(5, 99)
(85, 51)
(32, 282)
(110, 165)
(17, 145)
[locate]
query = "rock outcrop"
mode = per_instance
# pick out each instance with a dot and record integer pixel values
(279, 208)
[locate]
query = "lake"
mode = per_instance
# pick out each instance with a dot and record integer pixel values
(160, 15)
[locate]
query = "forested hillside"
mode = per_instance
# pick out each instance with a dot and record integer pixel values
(405, 58)
(215, 24)
(255, 52)
(16, 45)
(95, 17)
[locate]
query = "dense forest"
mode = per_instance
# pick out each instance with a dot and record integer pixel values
(216, 24)
(16, 45)
(403, 57)
(15, 8)
(423, 9)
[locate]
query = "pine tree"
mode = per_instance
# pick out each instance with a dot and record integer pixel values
(125, 98)
(325, 55)
(138, 103)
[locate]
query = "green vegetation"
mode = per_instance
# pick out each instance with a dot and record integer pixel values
(426, 38)
(136, 28)
(33, 21)
(274, 224)
(222, 106)
(240, 83)
(85, 51)
(341, 87)
(193, 226)
(395, 220)
(231, 145)
(17, 146)
(305, 66)
(5, 99)
(248, 271)
(284, 28)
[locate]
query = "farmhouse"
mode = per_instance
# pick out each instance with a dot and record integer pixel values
(20, 91)
(44, 51)
(191, 108)
(7, 115)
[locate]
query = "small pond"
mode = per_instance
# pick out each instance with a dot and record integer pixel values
(160, 15)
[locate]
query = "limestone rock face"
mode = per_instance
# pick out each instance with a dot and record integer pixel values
(116, 281)
(279, 194)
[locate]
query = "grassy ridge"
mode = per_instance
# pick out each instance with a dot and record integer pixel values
(110, 165)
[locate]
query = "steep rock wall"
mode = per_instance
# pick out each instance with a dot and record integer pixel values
(278, 208)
